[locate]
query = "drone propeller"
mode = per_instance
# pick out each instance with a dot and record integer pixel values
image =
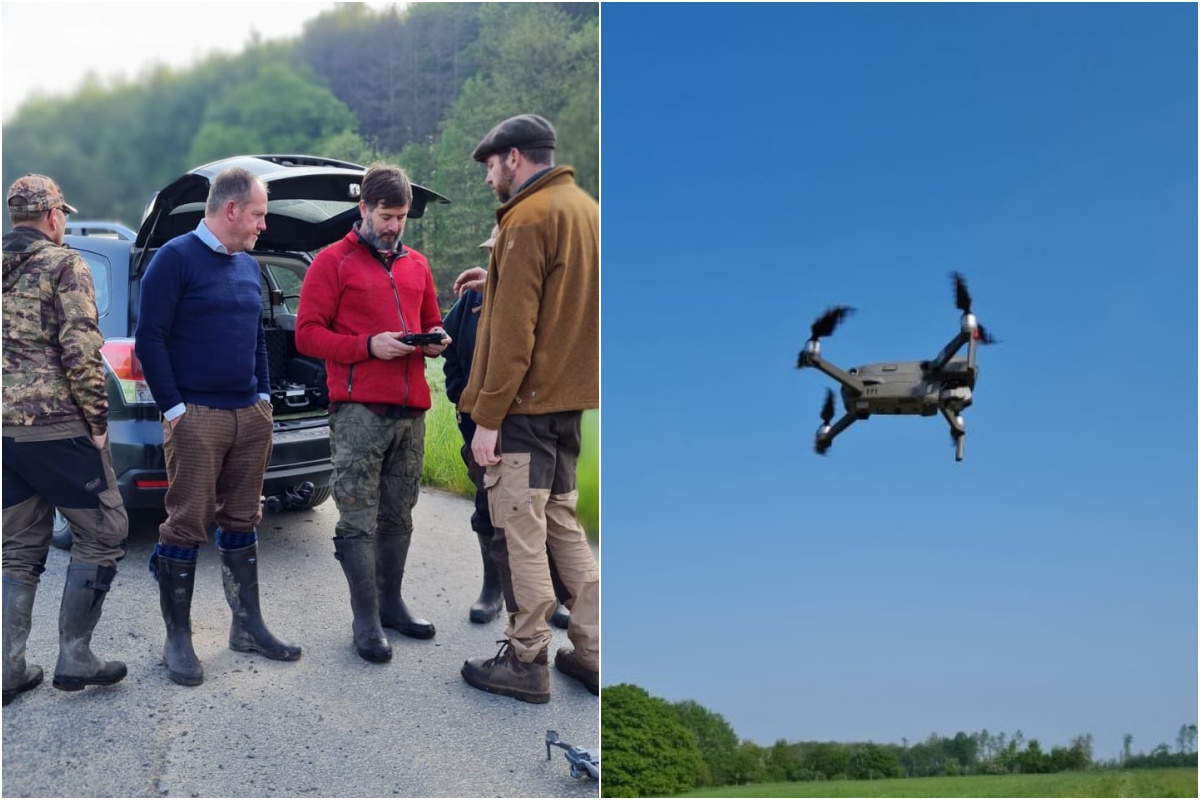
(827, 409)
(985, 337)
(828, 322)
(962, 298)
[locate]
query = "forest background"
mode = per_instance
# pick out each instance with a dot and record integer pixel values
(417, 86)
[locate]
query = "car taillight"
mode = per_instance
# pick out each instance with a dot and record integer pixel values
(124, 365)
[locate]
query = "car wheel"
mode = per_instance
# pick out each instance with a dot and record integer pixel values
(319, 495)
(61, 537)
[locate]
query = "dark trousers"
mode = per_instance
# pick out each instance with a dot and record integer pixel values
(72, 475)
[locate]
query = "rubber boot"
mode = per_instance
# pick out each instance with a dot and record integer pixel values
(176, 580)
(490, 596)
(248, 633)
(505, 674)
(357, 556)
(561, 617)
(18, 616)
(391, 554)
(83, 599)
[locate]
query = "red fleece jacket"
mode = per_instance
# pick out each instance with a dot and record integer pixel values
(347, 297)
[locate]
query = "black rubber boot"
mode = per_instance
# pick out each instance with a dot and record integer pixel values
(83, 599)
(561, 617)
(490, 596)
(505, 674)
(248, 633)
(176, 580)
(357, 556)
(18, 616)
(391, 554)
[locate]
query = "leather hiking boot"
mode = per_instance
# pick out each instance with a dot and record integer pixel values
(391, 554)
(248, 633)
(505, 674)
(83, 598)
(566, 662)
(18, 616)
(490, 598)
(176, 581)
(357, 557)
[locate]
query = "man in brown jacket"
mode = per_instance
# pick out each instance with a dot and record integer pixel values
(536, 368)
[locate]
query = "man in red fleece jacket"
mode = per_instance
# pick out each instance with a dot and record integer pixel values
(361, 296)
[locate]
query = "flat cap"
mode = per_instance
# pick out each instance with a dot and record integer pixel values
(524, 131)
(36, 193)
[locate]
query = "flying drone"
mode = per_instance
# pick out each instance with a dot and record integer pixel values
(942, 385)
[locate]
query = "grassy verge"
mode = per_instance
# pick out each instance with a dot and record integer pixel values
(444, 467)
(1178, 782)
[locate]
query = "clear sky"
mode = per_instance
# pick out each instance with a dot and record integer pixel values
(763, 162)
(120, 40)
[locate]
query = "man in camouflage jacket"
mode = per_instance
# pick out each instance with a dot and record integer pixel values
(55, 432)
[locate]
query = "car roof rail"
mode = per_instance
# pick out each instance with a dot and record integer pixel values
(94, 228)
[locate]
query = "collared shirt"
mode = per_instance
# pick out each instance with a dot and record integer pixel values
(210, 239)
(532, 178)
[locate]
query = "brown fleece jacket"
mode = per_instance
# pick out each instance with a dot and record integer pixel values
(538, 344)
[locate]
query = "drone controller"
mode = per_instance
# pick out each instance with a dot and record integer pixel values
(418, 339)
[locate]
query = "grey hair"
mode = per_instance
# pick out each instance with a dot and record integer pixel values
(233, 184)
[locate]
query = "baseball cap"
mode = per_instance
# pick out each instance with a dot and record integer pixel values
(36, 193)
(491, 240)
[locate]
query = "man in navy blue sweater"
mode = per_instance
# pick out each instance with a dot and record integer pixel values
(203, 351)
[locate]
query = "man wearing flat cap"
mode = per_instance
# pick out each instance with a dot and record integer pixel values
(536, 368)
(55, 426)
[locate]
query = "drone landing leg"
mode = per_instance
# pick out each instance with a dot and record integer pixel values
(827, 433)
(958, 430)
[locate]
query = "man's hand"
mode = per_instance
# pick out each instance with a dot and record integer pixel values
(473, 278)
(483, 446)
(99, 440)
(387, 345)
(434, 350)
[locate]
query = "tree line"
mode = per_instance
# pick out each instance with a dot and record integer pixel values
(417, 86)
(652, 748)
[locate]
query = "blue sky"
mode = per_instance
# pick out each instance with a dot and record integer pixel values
(763, 162)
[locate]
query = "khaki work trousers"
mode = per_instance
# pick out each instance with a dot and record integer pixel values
(532, 498)
(216, 458)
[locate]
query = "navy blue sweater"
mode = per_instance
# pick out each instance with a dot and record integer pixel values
(199, 334)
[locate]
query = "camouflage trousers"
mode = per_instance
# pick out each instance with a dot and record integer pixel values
(72, 475)
(532, 497)
(377, 464)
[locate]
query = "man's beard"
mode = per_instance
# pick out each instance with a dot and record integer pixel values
(375, 239)
(502, 186)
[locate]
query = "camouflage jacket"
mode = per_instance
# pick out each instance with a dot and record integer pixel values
(53, 371)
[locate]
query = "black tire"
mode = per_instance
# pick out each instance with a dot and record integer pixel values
(319, 495)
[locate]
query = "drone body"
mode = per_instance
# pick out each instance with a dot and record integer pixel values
(943, 384)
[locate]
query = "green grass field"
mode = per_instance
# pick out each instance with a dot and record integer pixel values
(1178, 782)
(444, 467)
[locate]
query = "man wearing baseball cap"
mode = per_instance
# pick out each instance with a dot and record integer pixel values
(55, 431)
(536, 368)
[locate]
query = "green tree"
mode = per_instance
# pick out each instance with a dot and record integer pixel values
(647, 752)
(281, 110)
(715, 737)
